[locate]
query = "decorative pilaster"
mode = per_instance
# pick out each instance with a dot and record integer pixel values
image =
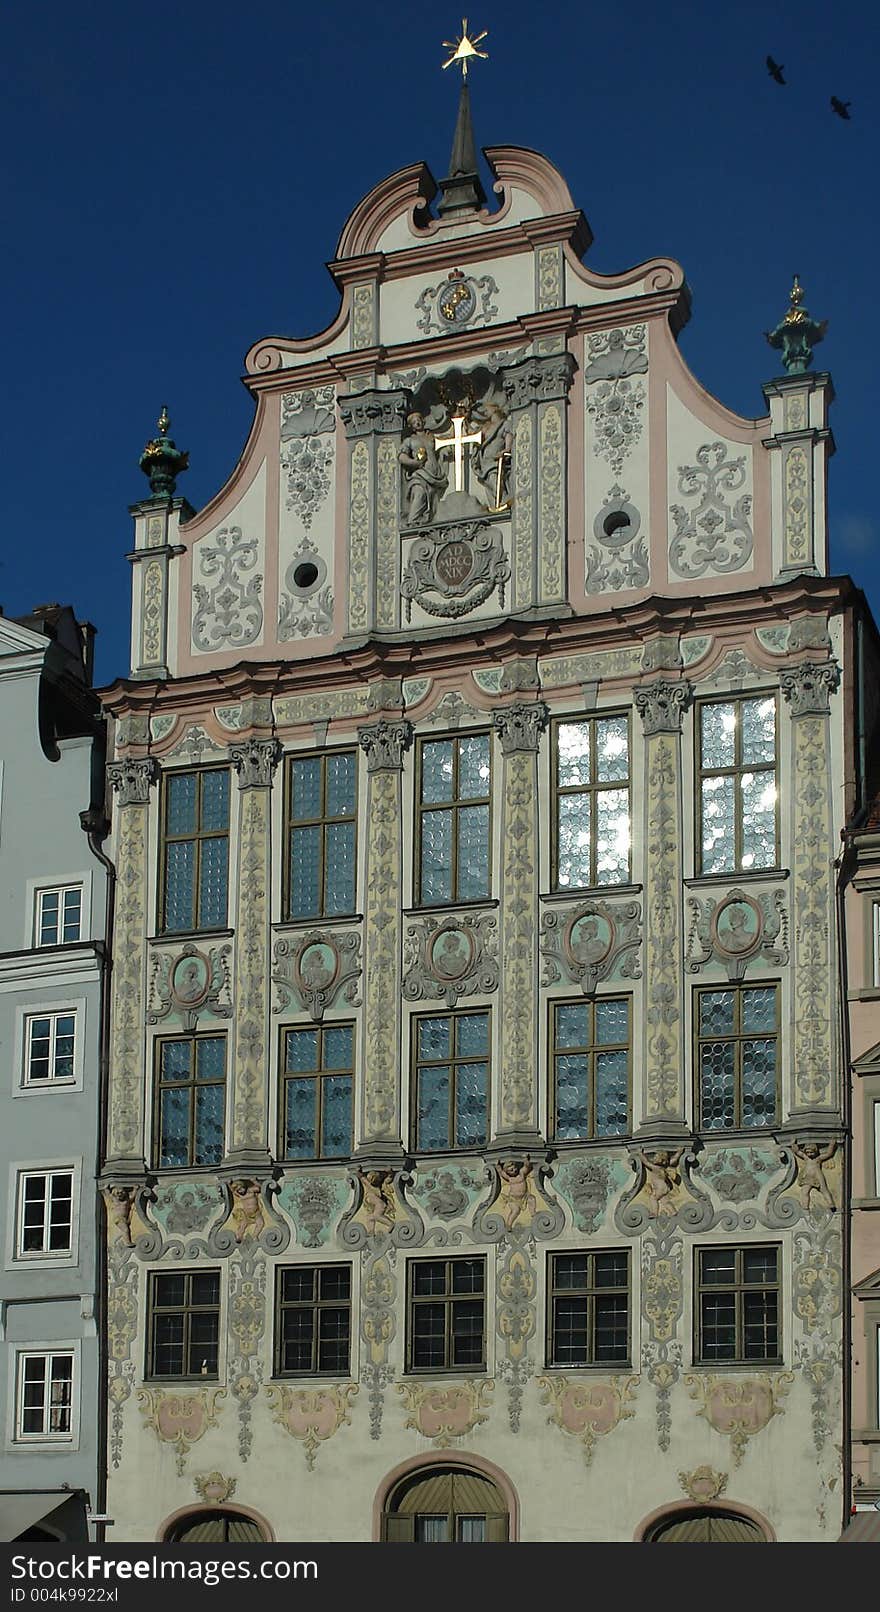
(661, 705)
(379, 1139)
(130, 780)
(537, 391)
(373, 423)
(519, 728)
(808, 688)
(801, 446)
(255, 761)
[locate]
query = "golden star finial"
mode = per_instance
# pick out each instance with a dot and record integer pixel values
(464, 48)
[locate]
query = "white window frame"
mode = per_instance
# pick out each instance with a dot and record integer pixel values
(61, 881)
(22, 1172)
(875, 1141)
(52, 1078)
(25, 1014)
(44, 1440)
(62, 891)
(875, 944)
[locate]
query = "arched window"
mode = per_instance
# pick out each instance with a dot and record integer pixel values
(445, 1504)
(705, 1528)
(215, 1528)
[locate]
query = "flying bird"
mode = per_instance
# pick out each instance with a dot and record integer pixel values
(775, 70)
(840, 107)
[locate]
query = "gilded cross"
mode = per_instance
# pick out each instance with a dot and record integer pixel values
(457, 442)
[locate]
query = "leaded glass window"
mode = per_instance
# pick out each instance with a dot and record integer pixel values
(447, 1314)
(316, 1092)
(190, 1100)
(592, 817)
(588, 1312)
(454, 819)
(451, 1099)
(738, 1057)
(738, 1304)
(313, 1320)
(321, 835)
(738, 785)
(195, 850)
(184, 1324)
(591, 1044)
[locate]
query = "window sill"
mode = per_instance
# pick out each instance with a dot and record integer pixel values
(870, 994)
(447, 1371)
(322, 921)
(742, 876)
(450, 906)
(737, 1365)
(168, 937)
(603, 1366)
(591, 892)
(183, 1382)
(307, 1377)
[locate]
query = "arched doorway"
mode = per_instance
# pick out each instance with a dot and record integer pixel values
(445, 1504)
(219, 1525)
(705, 1527)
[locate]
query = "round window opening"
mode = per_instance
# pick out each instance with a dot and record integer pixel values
(305, 575)
(617, 521)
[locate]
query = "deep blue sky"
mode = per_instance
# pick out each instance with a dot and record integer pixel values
(176, 178)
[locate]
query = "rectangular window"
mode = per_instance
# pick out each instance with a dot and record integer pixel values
(190, 1100)
(447, 1314)
(591, 817)
(321, 835)
(316, 1092)
(184, 1324)
(453, 819)
(451, 1080)
(313, 1320)
(45, 1213)
(588, 1312)
(738, 1057)
(874, 1140)
(737, 786)
(50, 1042)
(590, 1068)
(737, 1306)
(195, 850)
(44, 1408)
(875, 945)
(58, 918)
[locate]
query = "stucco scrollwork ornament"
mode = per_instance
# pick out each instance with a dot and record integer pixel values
(519, 1202)
(380, 1214)
(447, 1193)
(736, 930)
(587, 1185)
(662, 704)
(739, 1409)
(457, 303)
(588, 1411)
(180, 1419)
(703, 1484)
(662, 1307)
(131, 778)
(247, 1326)
(249, 1217)
(126, 1222)
(454, 569)
(228, 614)
(537, 379)
(736, 1175)
(714, 535)
(452, 709)
(311, 1415)
(213, 1487)
(378, 1328)
(194, 745)
(306, 609)
(615, 400)
(445, 1415)
(307, 461)
(663, 1191)
(808, 687)
(818, 1180)
(519, 727)
(590, 942)
(314, 969)
(449, 958)
(384, 744)
(516, 1285)
(189, 984)
(182, 1209)
(308, 413)
(255, 761)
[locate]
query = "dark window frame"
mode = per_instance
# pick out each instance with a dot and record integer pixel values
(317, 1305)
(186, 1309)
(318, 1075)
(192, 1085)
(737, 1038)
(321, 823)
(736, 772)
(197, 837)
(590, 1049)
(454, 806)
(448, 1298)
(590, 1292)
(453, 1063)
(591, 791)
(740, 1289)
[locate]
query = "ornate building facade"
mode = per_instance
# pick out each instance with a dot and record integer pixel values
(474, 1164)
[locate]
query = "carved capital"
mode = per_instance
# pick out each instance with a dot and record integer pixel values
(131, 779)
(384, 743)
(809, 686)
(538, 380)
(662, 704)
(255, 762)
(366, 413)
(519, 727)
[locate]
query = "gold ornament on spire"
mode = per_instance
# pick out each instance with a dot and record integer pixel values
(796, 315)
(464, 49)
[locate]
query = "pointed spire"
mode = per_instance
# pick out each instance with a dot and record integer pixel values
(462, 190)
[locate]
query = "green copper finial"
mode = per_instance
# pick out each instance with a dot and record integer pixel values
(797, 334)
(162, 460)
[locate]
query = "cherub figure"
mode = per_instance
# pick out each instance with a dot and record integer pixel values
(247, 1218)
(120, 1203)
(516, 1200)
(661, 1178)
(811, 1175)
(378, 1209)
